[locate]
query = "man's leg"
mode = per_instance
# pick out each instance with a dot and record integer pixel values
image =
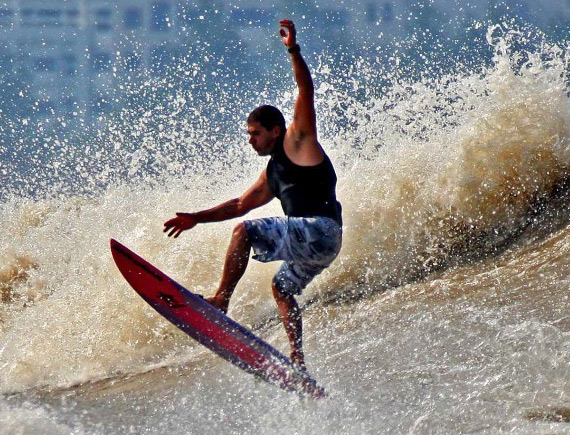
(237, 258)
(291, 317)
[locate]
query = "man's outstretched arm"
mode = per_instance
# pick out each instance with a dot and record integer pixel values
(301, 140)
(257, 195)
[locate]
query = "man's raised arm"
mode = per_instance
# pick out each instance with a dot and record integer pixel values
(301, 142)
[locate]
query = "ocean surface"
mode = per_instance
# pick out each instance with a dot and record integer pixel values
(446, 312)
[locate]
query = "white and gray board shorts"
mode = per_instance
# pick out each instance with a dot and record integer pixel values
(306, 245)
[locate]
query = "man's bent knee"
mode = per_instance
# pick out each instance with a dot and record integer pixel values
(280, 296)
(240, 232)
(276, 293)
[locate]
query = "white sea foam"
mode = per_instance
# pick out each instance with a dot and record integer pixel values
(432, 173)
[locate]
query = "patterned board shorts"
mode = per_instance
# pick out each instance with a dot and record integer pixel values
(307, 246)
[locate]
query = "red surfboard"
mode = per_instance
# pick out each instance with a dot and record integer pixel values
(210, 327)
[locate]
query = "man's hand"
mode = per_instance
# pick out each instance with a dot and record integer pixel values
(288, 36)
(182, 222)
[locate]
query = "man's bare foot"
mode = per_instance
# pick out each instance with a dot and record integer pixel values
(217, 303)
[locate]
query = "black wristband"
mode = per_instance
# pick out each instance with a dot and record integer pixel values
(294, 49)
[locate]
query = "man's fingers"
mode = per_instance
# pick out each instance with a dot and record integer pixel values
(176, 226)
(168, 226)
(287, 24)
(171, 222)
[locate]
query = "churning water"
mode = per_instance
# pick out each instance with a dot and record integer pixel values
(446, 311)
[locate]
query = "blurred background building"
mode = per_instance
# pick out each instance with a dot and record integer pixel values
(68, 58)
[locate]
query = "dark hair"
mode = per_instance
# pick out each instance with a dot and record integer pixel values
(268, 117)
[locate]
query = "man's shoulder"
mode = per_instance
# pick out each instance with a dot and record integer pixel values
(303, 151)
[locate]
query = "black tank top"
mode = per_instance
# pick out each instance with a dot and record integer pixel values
(304, 191)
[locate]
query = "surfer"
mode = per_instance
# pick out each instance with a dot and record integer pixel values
(302, 177)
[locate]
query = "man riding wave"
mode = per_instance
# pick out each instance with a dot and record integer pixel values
(300, 174)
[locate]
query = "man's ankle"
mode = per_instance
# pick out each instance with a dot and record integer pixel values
(298, 360)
